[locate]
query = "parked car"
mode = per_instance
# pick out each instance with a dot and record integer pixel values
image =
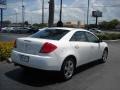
(59, 49)
(7, 29)
(32, 30)
(96, 31)
(14, 30)
(22, 30)
(3, 29)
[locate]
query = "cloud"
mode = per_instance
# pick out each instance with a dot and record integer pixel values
(73, 10)
(108, 12)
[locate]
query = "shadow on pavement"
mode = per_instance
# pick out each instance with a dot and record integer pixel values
(38, 78)
(35, 78)
(84, 67)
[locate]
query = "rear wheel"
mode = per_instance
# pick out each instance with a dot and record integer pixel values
(104, 56)
(68, 68)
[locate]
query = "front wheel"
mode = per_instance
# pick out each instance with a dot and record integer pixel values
(68, 68)
(104, 56)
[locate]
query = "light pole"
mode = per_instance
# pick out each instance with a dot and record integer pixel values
(88, 14)
(23, 14)
(16, 18)
(42, 11)
(60, 23)
(61, 11)
(31, 20)
(1, 18)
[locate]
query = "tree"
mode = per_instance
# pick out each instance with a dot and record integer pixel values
(6, 23)
(38, 26)
(112, 24)
(109, 25)
(51, 13)
(104, 25)
(26, 23)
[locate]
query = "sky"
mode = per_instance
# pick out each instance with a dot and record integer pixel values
(73, 10)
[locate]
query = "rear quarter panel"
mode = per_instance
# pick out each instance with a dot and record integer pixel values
(65, 50)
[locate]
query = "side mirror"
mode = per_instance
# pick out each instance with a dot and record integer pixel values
(100, 40)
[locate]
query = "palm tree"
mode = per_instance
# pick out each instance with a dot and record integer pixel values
(51, 13)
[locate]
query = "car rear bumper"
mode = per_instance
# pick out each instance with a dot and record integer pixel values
(36, 61)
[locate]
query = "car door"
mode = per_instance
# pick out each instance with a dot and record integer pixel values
(81, 47)
(93, 41)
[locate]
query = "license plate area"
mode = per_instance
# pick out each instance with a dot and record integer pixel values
(24, 58)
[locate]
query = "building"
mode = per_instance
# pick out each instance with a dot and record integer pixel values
(74, 24)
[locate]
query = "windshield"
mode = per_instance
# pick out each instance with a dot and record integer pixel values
(52, 34)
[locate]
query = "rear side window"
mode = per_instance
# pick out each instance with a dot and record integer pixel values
(91, 37)
(79, 36)
(52, 34)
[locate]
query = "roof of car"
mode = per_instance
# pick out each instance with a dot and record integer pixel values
(66, 28)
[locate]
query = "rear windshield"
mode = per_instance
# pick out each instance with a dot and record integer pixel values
(52, 34)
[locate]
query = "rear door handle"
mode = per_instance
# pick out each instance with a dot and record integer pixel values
(92, 46)
(76, 46)
(27, 40)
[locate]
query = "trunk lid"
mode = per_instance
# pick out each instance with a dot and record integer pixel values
(30, 45)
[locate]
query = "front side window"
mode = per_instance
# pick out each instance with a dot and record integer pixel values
(91, 37)
(52, 34)
(79, 36)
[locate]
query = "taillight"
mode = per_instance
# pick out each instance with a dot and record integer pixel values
(15, 46)
(48, 48)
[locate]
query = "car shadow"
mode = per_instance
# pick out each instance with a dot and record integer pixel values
(38, 78)
(87, 66)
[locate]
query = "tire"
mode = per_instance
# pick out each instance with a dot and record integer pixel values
(68, 68)
(104, 56)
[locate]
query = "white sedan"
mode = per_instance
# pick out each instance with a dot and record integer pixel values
(59, 49)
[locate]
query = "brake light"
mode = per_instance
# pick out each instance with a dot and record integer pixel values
(48, 48)
(15, 46)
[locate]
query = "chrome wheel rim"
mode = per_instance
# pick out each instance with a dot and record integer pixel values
(69, 69)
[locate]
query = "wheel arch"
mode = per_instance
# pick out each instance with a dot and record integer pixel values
(106, 48)
(71, 56)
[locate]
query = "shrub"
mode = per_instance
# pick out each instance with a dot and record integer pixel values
(109, 36)
(5, 50)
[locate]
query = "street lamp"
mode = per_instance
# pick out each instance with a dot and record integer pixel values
(23, 14)
(42, 11)
(16, 13)
(61, 10)
(60, 23)
(88, 14)
(1, 18)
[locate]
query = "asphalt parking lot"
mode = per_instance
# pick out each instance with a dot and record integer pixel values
(93, 76)
(10, 36)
